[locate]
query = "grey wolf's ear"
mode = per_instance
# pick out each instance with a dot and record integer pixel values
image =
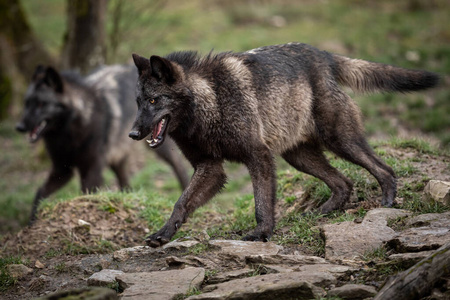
(162, 69)
(39, 73)
(141, 63)
(54, 80)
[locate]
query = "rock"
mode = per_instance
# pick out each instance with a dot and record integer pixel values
(353, 292)
(90, 293)
(173, 261)
(278, 268)
(284, 259)
(407, 260)
(335, 270)
(420, 239)
(161, 284)
(18, 271)
(382, 215)
(348, 240)
(231, 275)
(434, 220)
(244, 248)
(180, 244)
(126, 253)
(437, 190)
(104, 277)
(430, 237)
(271, 286)
(39, 265)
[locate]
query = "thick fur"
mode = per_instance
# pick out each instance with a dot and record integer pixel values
(84, 124)
(247, 107)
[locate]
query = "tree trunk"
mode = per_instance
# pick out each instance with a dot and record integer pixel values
(20, 52)
(417, 281)
(84, 42)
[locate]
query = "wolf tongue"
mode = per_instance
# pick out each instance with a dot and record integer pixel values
(157, 130)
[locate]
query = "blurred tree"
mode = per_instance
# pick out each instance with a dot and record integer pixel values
(20, 52)
(84, 42)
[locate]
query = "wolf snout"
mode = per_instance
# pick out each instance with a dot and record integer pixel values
(135, 134)
(21, 127)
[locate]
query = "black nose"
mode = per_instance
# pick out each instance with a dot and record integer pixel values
(21, 127)
(134, 134)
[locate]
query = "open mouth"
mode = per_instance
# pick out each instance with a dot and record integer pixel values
(35, 134)
(158, 133)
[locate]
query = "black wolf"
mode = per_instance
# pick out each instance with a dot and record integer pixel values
(247, 107)
(84, 124)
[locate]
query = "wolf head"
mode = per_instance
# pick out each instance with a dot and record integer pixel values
(43, 107)
(162, 97)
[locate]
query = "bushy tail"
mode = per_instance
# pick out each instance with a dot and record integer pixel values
(364, 76)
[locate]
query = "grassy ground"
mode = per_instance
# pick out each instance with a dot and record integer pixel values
(413, 34)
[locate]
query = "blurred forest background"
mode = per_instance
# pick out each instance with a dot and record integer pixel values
(81, 34)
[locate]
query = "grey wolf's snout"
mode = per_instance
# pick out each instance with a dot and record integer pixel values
(21, 127)
(134, 134)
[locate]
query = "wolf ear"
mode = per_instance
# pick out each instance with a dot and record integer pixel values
(39, 73)
(141, 63)
(162, 69)
(53, 79)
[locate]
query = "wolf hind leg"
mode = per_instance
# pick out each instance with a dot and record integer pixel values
(359, 152)
(309, 158)
(261, 167)
(341, 130)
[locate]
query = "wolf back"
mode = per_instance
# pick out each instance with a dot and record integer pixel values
(277, 100)
(83, 122)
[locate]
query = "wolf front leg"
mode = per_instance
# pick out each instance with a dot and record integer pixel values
(261, 167)
(57, 178)
(209, 177)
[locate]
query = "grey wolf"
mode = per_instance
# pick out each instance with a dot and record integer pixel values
(247, 107)
(84, 124)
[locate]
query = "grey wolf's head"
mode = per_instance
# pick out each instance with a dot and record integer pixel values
(43, 106)
(162, 97)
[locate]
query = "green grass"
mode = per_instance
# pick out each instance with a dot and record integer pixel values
(303, 230)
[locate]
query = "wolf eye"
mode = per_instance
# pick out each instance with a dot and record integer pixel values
(152, 100)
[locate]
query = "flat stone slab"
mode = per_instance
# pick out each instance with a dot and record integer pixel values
(244, 248)
(104, 277)
(350, 240)
(161, 284)
(353, 292)
(179, 244)
(383, 214)
(127, 253)
(288, 260)
(295, 285)
(336, 270)
(434, 232)
(231, 275)
(433, 220)
(407, 260)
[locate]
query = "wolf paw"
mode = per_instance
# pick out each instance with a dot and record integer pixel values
(156, 241)
(159, 238)
(257, 237)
